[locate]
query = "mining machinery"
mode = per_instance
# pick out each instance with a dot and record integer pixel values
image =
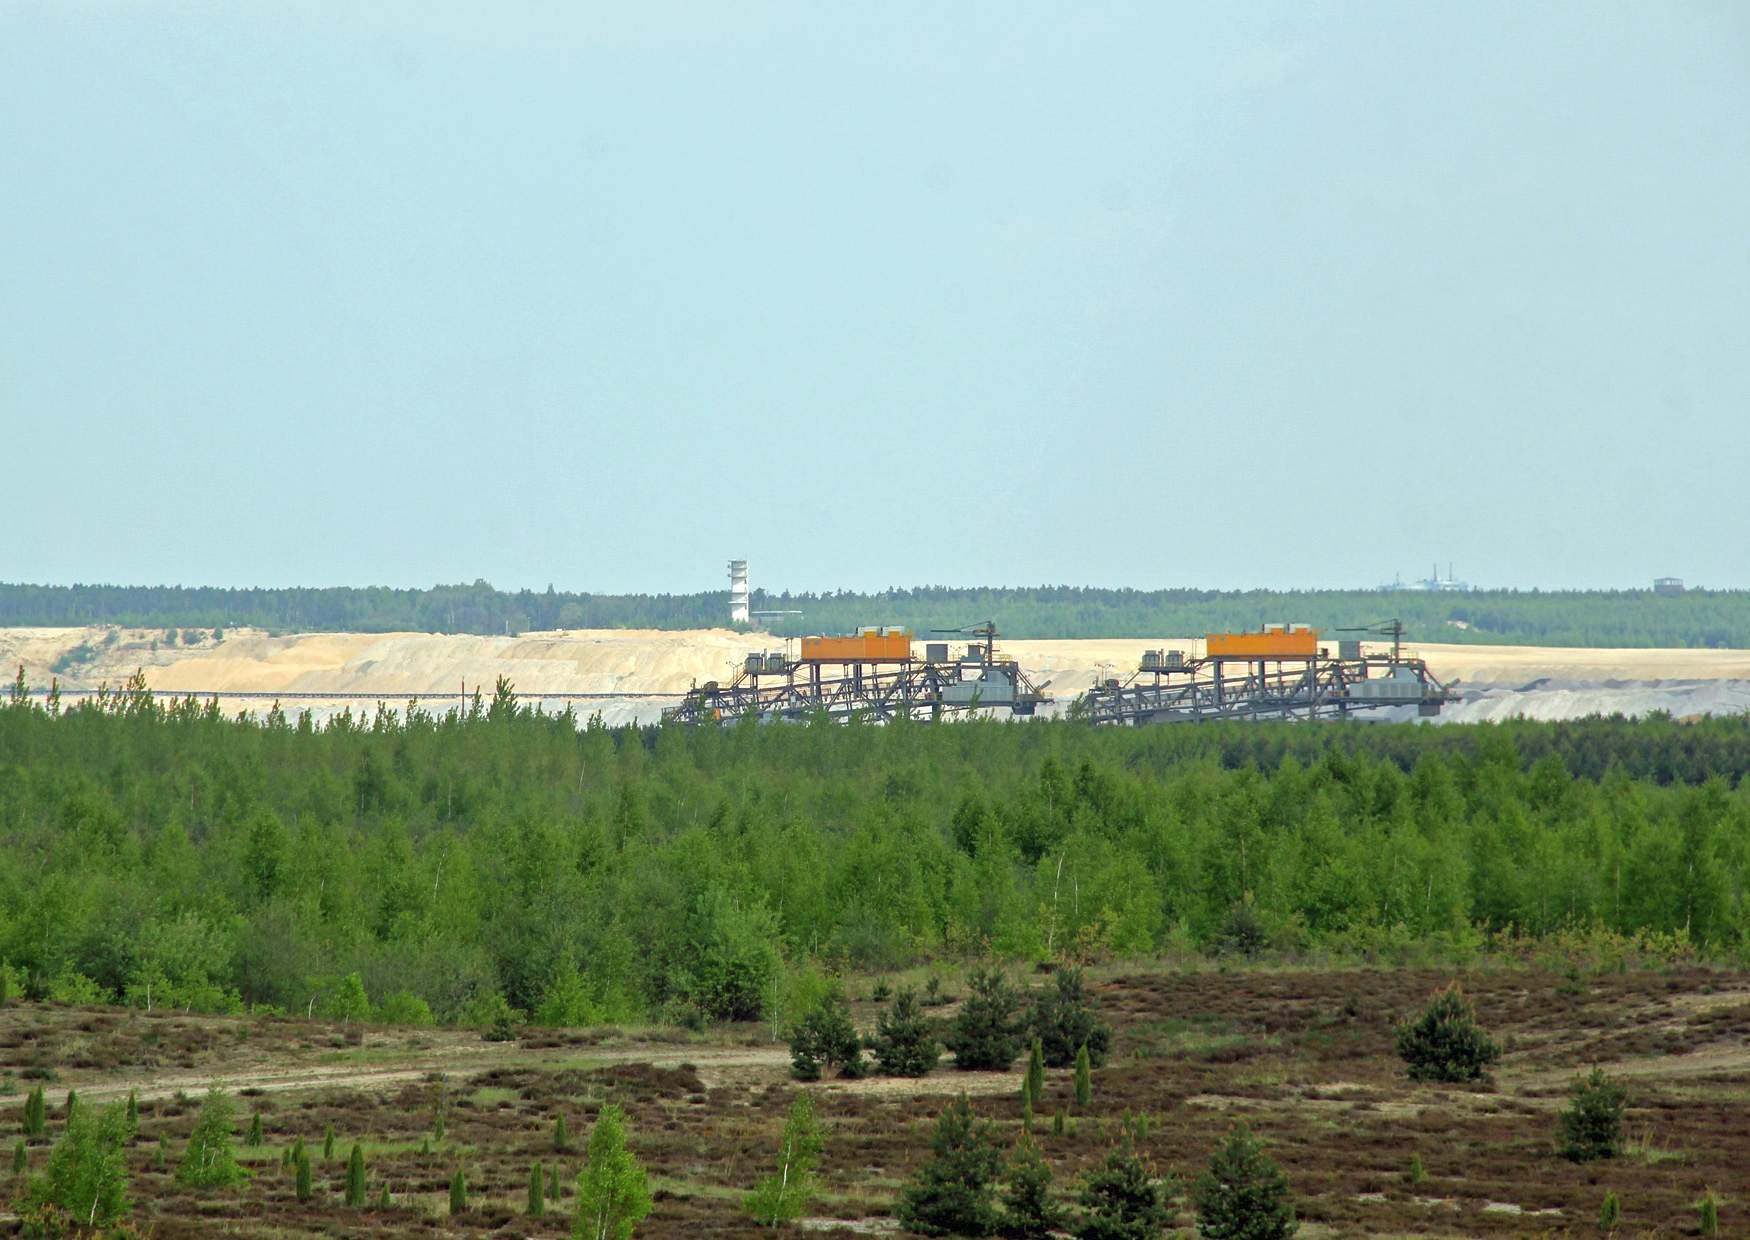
(872, 674)
(1283, 672)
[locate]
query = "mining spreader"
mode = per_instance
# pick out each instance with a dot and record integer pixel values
(872, 674)
(1284, 672)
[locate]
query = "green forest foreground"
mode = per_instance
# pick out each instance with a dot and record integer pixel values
(415, 867)
(1699, 618)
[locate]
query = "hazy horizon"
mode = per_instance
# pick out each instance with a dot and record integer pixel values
(1283, 296)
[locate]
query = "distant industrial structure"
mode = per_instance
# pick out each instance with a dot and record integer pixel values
(1434, 583)
(1667, 585)
(1283, 672)
(874, 674)
(741, 598)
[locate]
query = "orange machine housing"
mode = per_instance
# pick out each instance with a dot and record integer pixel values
(893, 647)
(1299, 644)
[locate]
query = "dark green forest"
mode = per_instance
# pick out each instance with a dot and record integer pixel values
(1714, 618)
(157, 852)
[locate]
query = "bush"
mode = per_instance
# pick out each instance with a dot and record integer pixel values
(1445, 1043)
(1122, 1198)
(904, 1044)
(1708, 1213)
(952, 1194)
(736, 957)
(825, 1040)
(1029, 1212)
(782, 1196)
(1242, 931)
(403, 1007)
(1610, 1213)
(1084, 1077)
(355, 1177)
(1592, 1123)
(458, 1193)
(1063, 1020)
(1243, 1195)
(87, 1173)
(210, 1162)
(991, 1028)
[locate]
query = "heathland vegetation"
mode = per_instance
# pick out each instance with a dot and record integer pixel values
(499, 864)
(1699, 618)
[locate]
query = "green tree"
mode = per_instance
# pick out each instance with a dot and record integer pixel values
(1708, 1213)
(72, 1104)
(904, 1044)
(1610, 1213)
(537, 1192)
(35, 1115)
(824, 1039)
(384, 1202)
(1064, 1019)
(20, 1157)
(458, 1193)
(561, 1138)
(328, 1143)
(209, 1161)
(355, 1177)
(1084, 1077)
(1445, 1043)
(349, 1002)
(782, 1196)
(1033, 1083)
(1592, 1123)
(253, 1140)
(1122, 1198)
(1243, 1195)
(1029, 1212)
(990, 1028)
(953, 1193)
(612, 1190)
(87, 1174)
(133, 1113)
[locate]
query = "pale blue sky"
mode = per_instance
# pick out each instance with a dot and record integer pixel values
(877, 293)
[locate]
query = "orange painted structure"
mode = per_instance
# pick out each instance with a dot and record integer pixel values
(876, 647)
(1273, 643)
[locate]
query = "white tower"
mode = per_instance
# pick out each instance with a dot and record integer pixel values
(738, 592)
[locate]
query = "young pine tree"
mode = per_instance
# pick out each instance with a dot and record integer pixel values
(1122, 1198)
(1592, 1124)
(36, 1120)
(253, 1140)
(782, 1196)
(989, 1030)
(301, 1172)
(458, 1193)
(904, 1044)
(1029, 1211)
(133, 1113)
(613, 1192)
(555, 1186)
(355, 1177)
(1708, 1213)
(384, 1202)
(1445, 1043)
(1033, 1084)
(537, 1192)
(952, 1194)
(1064, 1019)
(20, 1157)
(1610, 1213)
(561, 1138)
(328, 1144)
(72, 1104)
(825, 1040)
(209, 1161)
(1243, 1195)
(1084, 1077)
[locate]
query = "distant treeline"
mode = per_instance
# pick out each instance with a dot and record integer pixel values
(1707, 618)
(155, 852)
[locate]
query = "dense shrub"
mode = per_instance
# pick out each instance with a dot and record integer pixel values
(954, 1193)
(1592, 1123)
(905, 1042)
(1029, 1212)
(824, 1040)
(991, 1027)
(1064, 1021)
(1243, 1195)
(1445, 1043)
(1122, 1198)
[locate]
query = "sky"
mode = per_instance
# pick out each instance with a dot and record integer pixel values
(874, 294)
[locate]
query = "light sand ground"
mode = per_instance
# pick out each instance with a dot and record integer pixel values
(636, 661)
